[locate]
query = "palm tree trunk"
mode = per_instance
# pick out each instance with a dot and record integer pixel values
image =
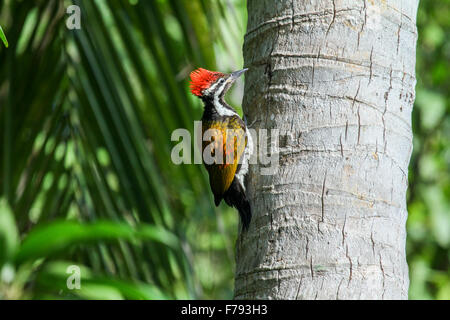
(337, 79)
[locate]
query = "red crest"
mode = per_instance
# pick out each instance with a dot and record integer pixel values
(202, 79)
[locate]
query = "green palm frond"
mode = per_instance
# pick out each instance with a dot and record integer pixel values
(3, 37)
(86, 120)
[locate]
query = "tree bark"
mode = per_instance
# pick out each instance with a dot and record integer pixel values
(337, 79)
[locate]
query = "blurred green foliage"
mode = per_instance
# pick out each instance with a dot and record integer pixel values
(3, 37)
(428, 243)
(85, 171)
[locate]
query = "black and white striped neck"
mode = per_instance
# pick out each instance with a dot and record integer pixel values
(217, 107)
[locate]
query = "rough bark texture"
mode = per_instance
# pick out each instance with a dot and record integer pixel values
(337, 78)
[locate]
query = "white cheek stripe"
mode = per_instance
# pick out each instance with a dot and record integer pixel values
(207, 91)
(221, 109)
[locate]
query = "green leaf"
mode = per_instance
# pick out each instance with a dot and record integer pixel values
(3, 37)
(9, 237)
(97, 291)
(440, 223)
(48, 239)
(432, 105)
(433, 34)
(54, 275)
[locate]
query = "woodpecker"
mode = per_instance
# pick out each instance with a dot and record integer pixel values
(226, 177)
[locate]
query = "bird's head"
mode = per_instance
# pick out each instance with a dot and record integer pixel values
(208, 84)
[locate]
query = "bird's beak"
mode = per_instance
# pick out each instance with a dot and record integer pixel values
(235, 75)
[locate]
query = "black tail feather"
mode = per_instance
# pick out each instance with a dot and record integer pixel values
(217, 200)
(235, 197)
